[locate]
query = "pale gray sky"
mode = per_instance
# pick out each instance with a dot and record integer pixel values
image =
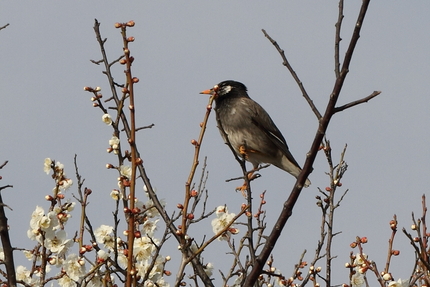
(182, 48)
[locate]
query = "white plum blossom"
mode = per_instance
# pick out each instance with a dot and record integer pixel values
(222, 220)
(399, 283)
(122, 260)
(116, 194)
(143, 248)
(59, 243)
(66, 281)
(149, 227)
(103, 233)
(23, 274)
(155, 277)
(357, 280)
(47, 165)
(65, 184)
(36, 217)
(106, 118)
(125, 170)
(209, 267)
(74, 267)
(102, 255)
(360, 259)
(114, 142)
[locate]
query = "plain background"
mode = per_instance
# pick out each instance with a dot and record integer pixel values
(182, 48)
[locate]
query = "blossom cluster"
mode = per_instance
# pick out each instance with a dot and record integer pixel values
(361, 265)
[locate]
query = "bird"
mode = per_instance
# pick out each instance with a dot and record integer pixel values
(249, 129)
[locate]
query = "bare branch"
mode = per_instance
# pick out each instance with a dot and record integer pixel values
(293, 73)
(2, 27)
(357, 102)
(338, 39)
(307, 168)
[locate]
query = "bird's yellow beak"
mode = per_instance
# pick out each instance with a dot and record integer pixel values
(208, 92)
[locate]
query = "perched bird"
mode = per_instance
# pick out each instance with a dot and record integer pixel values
(248, 128)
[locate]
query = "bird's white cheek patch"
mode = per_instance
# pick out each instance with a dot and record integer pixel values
(233, 111)
(226, 89)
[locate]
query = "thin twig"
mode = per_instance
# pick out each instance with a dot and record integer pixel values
(357, 102)
(293, 73)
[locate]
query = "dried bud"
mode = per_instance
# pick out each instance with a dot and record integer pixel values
(139, 161)
(137, 234)
(209, 107)
(414, 227)
(167, 272)
(363, 240)
(109, 166)
(353, 244)
(194, 193)
(130, 23)
(194, 142)
(190, 216)
(395, 252)
(328, 188)
(118, 25)
(130, 39)
(135, 80)
(180, 206)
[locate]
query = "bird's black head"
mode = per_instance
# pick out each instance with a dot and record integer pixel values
(227, 90)
(230, 89)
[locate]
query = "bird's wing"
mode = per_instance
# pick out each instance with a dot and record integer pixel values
(262, 120)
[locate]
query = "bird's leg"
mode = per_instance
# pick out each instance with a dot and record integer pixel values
(242, 152)
(250, 174)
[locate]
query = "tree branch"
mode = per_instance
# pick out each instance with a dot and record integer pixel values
(357, 102)
(293, 73)
(307, 168)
